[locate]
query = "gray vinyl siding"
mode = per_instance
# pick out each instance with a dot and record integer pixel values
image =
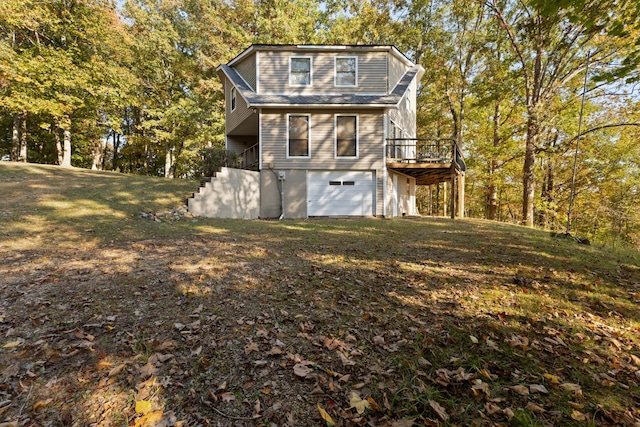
(247, 69)
(239, 143)
(274, 149)
(274, 72)
(240, 114)
(370, 141)
(406, 117)
(396, 71)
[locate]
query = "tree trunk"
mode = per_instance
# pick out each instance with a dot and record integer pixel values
(15, 139)
(56, 134)
(116, 152)
(168, 163)
(547, 214)
(66, 154)
(97, 155)
(23, 139)
(492, 190)
(528, 171)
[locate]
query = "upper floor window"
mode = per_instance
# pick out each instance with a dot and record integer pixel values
(346, 71)
(298, 135)
(233, 98)
(346, 136)
(300, 71)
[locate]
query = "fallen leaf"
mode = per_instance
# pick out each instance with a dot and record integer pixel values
(41, 403)
(257, 407)
(403, 423)
(345, 361)
(115, 371)
(378, 340)
(359, 404)
(423, 362)
(148, 369)
(488, 375)
(520, 389)
(9, 424)
(227, 397)
(143, 407)
(301, 370)
(473, 339)
(479, 388)
(492, 408)
(535, 408)
(152, 419)
(538, 388)
(325, 416)
(578, 416)
(252, 346)
(374, 404)
(439, 410)
(553, 380)
(574, 388)
(509, 413)
(13, 344)
(274, 351)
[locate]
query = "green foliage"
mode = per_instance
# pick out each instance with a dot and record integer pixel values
(213, 158)
(136, 85)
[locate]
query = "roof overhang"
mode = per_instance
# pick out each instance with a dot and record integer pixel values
(322, 48)
(255, 100)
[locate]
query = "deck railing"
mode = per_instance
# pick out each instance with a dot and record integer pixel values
(250, 158)
(418, 150)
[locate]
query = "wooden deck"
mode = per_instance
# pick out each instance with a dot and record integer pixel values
(430, 162)
(425, 173)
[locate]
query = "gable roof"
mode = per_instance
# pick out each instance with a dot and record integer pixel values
(326, 48)
(320, 100)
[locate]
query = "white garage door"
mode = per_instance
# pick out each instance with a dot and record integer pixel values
(340, 193)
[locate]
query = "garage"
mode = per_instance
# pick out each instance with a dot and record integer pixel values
(340, 193)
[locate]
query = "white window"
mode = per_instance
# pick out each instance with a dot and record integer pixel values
(299, 71)
(346, 144)
(346, 71)
(233, 98)
(298, 135)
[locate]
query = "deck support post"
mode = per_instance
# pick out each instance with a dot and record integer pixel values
(452, 207)
(461, 195)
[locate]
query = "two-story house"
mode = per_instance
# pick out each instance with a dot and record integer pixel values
(329, 131)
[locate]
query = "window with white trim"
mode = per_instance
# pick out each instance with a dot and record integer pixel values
(346, 71)
(298, 135)
(233, 98)
(300, 71)
(346, 144)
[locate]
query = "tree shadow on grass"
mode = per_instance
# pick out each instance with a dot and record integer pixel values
(234, 306)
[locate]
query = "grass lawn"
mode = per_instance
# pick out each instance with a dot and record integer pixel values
(111, 319)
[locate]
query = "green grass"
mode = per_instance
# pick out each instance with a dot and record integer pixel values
(425, 309)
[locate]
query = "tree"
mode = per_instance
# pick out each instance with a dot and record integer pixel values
(551, 41)
(55, 69)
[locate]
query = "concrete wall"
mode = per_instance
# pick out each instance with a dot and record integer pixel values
(232, 193)
(295, 194)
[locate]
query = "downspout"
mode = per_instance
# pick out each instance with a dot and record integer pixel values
(281, 199)
(384, 164)
(279, 183)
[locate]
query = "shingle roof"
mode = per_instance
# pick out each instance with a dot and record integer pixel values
(320, 100)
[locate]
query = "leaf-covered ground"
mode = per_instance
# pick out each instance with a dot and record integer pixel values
(112, 318)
